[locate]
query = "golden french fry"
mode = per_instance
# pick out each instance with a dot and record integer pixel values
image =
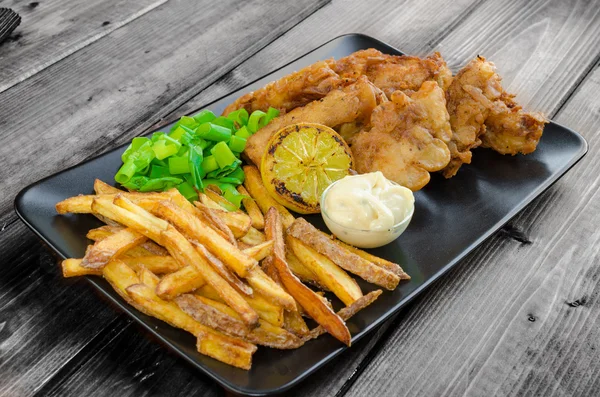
(157, 264)
(104, 206)
(259, 251)
(253, 237)
(329, 274)
(154, 249)
(120, 277)
(345, 259)
(111, 247)
(194, 229)
(183, 280)
(387, 265)
(102, 232)
(217, 198)
(266, 310)
(236, 221)
(347, 312)
(223, 270)
(83, 204)
(76, 205)
(262, 283)
(183, 251)
(254, 185)
(309, 301)
(258, 220)
(302, 272)
(226, 349)
(208, 202)
(148, 278)
(220, 317)
(104, 188)
(72, 268)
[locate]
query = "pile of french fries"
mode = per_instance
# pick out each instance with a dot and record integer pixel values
(233, 279)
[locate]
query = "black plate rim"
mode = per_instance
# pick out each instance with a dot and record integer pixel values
(393, 311)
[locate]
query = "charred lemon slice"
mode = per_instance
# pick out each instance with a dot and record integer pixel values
(300, 161)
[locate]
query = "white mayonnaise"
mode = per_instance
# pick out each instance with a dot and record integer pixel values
(367, 210)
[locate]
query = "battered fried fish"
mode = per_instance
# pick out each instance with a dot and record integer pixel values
(392, 72)
(294, 90)
(353, 103)
(510, 130)
(408, 137)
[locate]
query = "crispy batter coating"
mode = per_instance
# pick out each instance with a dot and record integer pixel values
(354, 102)
(510, 130)
(392, 72)
(297, 89)
(408, 138)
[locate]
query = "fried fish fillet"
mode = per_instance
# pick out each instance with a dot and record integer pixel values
(297, 89)
(510, 130)
(392, 72)
(408, 137)
(471, 96)
(352, 103)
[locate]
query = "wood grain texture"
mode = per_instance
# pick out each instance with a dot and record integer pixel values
(513, 318)
(51, 30)
(114, 88)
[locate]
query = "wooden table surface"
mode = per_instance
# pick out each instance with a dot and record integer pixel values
(519, 316)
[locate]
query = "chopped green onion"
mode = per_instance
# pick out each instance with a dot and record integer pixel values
(204, 116)
(160, 184)
(126, 172)
(213, 132)
(210, 164)
(237, 144)
(195, 158)
(271, 114)
(237, 176)
(162, 149)
(239, 116)
(243, 133)
(136, 144)
(224, 122)
(223, 154)
(188, 191)
(255, 120)
(232, 195)
(157, 171)
(178, 165)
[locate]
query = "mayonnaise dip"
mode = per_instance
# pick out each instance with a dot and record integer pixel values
(367, 210)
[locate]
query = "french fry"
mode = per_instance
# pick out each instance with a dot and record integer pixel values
(183, 280)
(237, 222)
(148, 278)
(76, 205)
(227, 349)
(154, 249)
(347, 312)
(220, 317)
(302, 272)
(259, 251)
(258, 221)
(194, 229)
(72, 268)
(102, 232)
(104, 188)
(328, 273)
(111, 247)
(183, 251)
(208, 202)
(223, 271)
(157, 264)
(253, 237)
(309, 301)
(254, 185)
(266, 310)
(83, 204)
(120, 277)
(262, 283)
(214, 194)
(104, 206)
(387, 265)
(345, 259)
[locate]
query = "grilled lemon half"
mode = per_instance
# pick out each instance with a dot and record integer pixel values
(300, 161)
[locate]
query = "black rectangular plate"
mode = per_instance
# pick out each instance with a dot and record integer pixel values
(452, 217)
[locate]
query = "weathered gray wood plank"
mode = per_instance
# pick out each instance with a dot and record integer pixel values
(51, 30)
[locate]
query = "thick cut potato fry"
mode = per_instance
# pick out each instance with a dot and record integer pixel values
(194, 229)
(266, 310)
(329, 274)
(183, 280)
(82, 204)
(215, 195)
(111, 247)
(258, 220)
(253, 237)
(236, 221)
(226, 349)
(294, 323)
(183, 251)
(309, 301)
(72, 268)
(157, 264)
(302, 272)
(154, 248)
(345, 259)
(148, 278)
(347, 312)
(102, 232)
(220, 317)
(260, 251)
(254, 186)
(262, 283)
(387, 265)
(120, 277)
(104, 206)
(104, 188)
(223, 270)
